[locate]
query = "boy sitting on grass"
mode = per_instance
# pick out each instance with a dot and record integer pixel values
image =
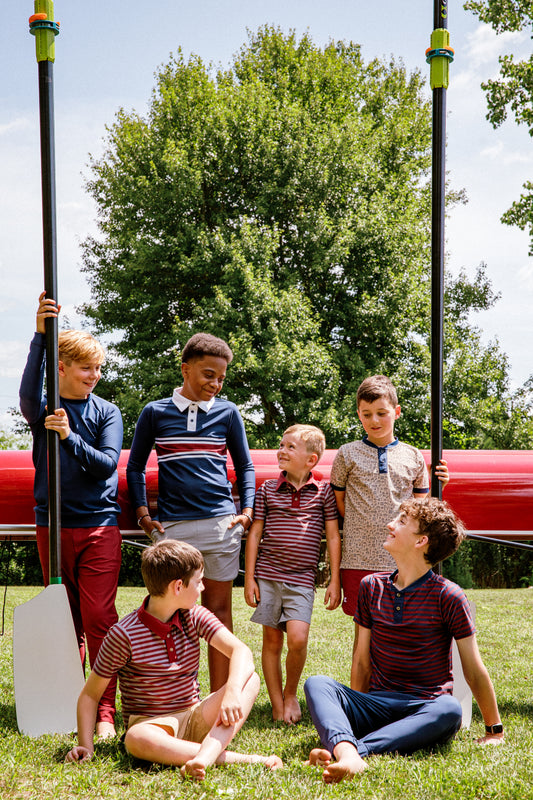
(400, 698)
(155, 651)
(282, 553)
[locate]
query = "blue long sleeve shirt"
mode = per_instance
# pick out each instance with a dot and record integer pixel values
(88, 456)
(193, 479)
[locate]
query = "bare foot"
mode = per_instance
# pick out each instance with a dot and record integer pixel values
(291, 710)
(277, 713)
(193, 769)
(319, 757)
(105, 730)
(346, 768)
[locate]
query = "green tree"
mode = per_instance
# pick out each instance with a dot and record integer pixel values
(283, 204)
(512, 90)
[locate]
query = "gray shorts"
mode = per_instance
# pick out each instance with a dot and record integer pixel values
(281, 602)
(219, 545)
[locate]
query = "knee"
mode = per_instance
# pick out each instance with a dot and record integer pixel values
(450, 715)
(297, 643)
(316, 685)
(135, 742)
(253, 685)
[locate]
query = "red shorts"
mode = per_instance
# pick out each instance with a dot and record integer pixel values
(350, 580)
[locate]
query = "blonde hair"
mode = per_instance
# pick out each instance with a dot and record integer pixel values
(314, 439)
(79, 346)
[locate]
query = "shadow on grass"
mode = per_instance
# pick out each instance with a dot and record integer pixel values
(509, 707)
(8, 718)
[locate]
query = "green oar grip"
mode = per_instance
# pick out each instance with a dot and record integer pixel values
(45, 30)
(439, 56)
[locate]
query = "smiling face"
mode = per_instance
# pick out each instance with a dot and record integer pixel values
(78, 379)
(378, 418)
(404, 534)
(294, 458)
(203, 378)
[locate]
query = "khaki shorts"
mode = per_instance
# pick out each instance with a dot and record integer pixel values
(188, 725)
(219, 545)
(281, 602)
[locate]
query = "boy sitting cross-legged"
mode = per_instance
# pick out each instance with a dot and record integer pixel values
(400, 698)
(155, 652)
(282, 553)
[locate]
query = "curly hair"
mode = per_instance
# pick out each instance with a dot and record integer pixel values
(205, 344)
(439, 523)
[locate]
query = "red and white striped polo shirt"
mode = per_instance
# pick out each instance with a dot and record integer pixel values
(293, 525)
(157, 662)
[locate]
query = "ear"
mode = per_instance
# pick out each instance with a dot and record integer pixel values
(184, 370)
(61, 368)
(176, 586)
(312, 460)
(422, 541)
(397, 412)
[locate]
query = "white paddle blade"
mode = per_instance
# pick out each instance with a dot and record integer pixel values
(48, 675)
(461, 690)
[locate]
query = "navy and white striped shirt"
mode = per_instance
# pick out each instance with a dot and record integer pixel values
(193, 479)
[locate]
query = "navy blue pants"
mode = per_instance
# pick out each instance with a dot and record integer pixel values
(379, 722)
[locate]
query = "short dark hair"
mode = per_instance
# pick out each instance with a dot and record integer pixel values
(167, 561)
(205, 344)
(439, 523)
(377, 386)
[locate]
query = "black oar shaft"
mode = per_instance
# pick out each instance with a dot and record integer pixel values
(438, 57)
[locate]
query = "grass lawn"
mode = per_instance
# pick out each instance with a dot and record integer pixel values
(34, 768)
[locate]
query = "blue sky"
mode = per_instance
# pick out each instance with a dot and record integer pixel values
(106, 56)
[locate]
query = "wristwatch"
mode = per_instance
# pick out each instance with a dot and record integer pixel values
(498, 728)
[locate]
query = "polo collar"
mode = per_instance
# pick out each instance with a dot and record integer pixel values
(183, 403)
(282, 480)
(161, 629)
(376, 446)
(412, 586)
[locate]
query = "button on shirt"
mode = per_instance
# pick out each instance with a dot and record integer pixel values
(293, 525)
(184, 404)
(157, 662)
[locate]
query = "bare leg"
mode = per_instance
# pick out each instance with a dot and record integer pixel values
(217, 598)
(297, 636)
(271, 663)
(156, 743)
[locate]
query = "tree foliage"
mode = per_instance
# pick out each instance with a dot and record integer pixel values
(512, 90)
(283, 204)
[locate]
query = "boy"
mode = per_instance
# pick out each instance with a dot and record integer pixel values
(401, 681)
(192, 432)
(155, 652)
(282, 552)
(370, 479)
(90, 432)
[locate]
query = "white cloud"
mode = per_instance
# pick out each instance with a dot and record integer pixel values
(486, 45)
(498, 152)
(16, 125)
(13, 358)
(525, 277)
